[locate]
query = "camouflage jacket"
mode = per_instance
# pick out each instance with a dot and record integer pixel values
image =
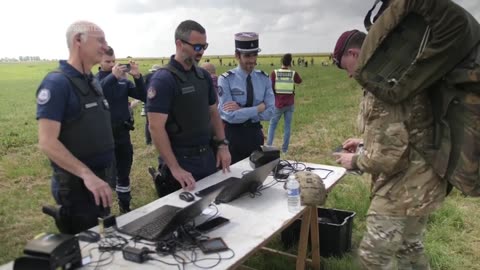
(396, 140)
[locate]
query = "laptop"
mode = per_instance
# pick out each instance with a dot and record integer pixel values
(166, 219)
(234, 187)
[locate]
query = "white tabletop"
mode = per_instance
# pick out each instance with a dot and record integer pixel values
(252, 220)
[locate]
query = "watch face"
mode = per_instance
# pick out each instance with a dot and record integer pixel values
(224, 142)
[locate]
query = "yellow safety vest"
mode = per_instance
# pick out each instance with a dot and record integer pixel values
(284, 83)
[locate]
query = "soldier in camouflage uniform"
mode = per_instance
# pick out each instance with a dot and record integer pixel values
(405, 189)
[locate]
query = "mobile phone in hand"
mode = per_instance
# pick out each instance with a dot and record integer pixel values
(127, 67)
(339, 149)
(212, 224)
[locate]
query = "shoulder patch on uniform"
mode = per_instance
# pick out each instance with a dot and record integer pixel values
(228, 73)
(43, 96)
(262, 72)
(220, 91)
(151, 92)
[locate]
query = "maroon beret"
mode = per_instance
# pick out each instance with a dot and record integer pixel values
(341, 45)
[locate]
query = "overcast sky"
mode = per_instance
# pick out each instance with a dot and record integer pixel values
(145, 28)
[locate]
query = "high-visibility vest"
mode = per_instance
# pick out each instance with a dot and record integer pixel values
(284, 83)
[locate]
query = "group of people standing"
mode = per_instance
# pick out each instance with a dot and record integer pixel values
(198, 124)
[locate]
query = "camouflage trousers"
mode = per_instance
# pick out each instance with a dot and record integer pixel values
(393, 242)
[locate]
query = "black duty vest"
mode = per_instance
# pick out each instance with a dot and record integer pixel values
(90, 132)
(189, 116)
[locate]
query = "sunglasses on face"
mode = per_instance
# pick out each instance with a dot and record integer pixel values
(196, 47)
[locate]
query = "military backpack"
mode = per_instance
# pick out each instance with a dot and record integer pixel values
(434, 46)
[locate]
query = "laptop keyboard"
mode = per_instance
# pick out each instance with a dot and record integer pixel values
(151, 225)
(153, 229)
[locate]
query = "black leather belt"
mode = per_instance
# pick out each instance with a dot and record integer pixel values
(191, 151)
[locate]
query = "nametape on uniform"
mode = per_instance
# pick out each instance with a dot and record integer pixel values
(188, 89)
(91, 105)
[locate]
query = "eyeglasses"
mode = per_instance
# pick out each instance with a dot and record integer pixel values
(196, 47)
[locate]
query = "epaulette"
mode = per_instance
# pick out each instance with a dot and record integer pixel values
(262, 72)
(228, 73)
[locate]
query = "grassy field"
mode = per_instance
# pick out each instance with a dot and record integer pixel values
(325, 114)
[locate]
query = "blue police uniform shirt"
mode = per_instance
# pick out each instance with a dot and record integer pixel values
(232, 86)
(161, 92)
(57, 101)
(117, 92)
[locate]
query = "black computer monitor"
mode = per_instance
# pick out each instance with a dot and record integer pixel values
(249, 182)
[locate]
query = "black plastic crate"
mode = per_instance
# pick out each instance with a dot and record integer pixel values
(335, 232)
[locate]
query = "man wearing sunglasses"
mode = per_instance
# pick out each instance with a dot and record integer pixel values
(181, 108)
(245, 98)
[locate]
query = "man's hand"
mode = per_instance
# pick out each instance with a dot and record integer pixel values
(231, 106)
(118, 70)
(345, 160)
(184, 178)
(224, 158)
(100, 189)
(134, 70)
(351, 144)
(261, 107)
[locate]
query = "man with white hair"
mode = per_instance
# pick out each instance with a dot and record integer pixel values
(75, 133)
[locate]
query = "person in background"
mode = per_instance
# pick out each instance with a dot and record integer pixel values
(117, 89)
(245, 98)
(213, 73)
(283, 85)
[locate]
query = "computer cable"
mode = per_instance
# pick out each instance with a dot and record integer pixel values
(100, 262)
(164, 262)
(112, 242)
(219, 259)
(193, 259)
(309, 169)
(183, 247)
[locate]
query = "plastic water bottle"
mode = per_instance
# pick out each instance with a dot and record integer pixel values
(293, 193)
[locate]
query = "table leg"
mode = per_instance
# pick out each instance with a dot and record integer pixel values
(303, 242)
(314, 237)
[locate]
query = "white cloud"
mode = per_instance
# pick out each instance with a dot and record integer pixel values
(145, 28)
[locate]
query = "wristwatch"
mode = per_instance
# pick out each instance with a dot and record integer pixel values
(220, 142)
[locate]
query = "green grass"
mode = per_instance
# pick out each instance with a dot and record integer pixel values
(325, 115)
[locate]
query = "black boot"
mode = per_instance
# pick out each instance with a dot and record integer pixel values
(124, 207)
